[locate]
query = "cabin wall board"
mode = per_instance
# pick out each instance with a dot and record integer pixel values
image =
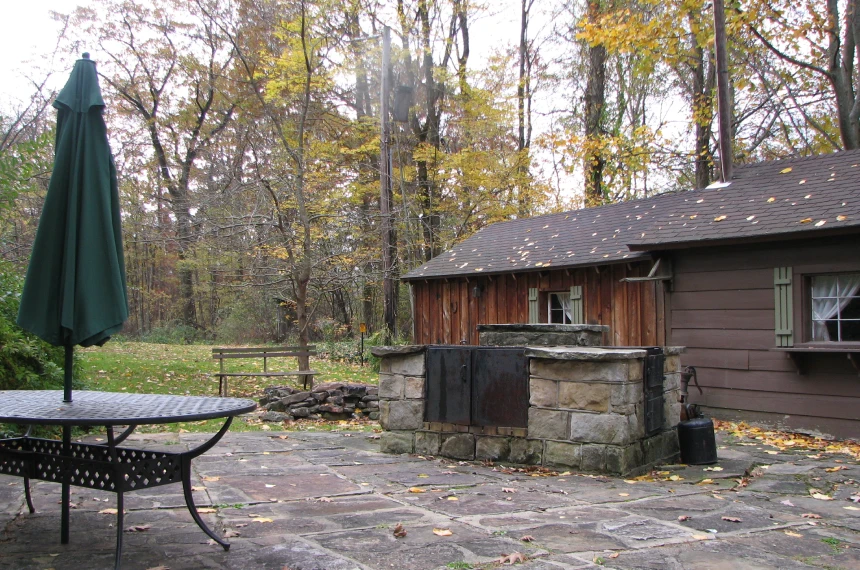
(722, 310)
(449, 311)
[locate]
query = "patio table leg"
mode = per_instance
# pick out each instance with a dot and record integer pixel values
(28, 496)
(65, 496)
(186, 482)
(119, 530)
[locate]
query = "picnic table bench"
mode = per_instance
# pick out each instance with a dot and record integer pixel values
(222, 354)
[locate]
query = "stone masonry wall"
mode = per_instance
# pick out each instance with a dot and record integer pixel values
(585, 412)
(401, 396)
(540, 335)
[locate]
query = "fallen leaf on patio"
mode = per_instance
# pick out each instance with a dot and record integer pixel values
(834, 469)
(806, 220)
(508, 490)
(197, 488)
(701, 536)
(851, 508)
(683, 518)
(614, 555)
(631, 481)
(841, 218)
(527, 538)
(512, 558)
(771, 200)
(138, 528)
(705, 482)
(241, 525)
(399, 531)
(785, 170)
(159, 568)
(715, 468)
(810, 516)
(675, 478)
(731, 519)
(262, 520)
(324, 500)
(108, 512)
(442, 532)
(415, 490)
(423, 476)
(623, 494)
(207, 510)
(771, 452)
(794, 534)
(212, 542)
(208, 478)
(821, 497)
(231, 533)
(452, 498)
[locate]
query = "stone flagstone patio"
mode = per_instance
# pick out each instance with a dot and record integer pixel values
(330, 501)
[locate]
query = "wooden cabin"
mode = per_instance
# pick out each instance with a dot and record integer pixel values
(759, 279)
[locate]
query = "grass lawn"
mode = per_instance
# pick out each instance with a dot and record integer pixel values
(187, 370)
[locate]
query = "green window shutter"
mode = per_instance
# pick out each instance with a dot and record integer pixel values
(576, 305)
(783, 313)
(533, 305)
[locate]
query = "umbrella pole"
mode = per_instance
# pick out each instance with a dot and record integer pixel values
(69, 370)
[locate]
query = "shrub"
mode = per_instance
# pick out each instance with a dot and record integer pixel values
(26, 361)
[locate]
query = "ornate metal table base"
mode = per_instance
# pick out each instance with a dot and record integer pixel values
(105, 467)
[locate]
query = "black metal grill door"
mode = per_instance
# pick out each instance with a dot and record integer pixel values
(653, 382)
(500, 387)
(449, 394)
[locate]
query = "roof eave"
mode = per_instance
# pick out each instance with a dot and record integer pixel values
(638, 256)
(782, 236)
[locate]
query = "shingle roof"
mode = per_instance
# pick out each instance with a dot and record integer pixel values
(814, 195)
(590, 236)
(775, 198)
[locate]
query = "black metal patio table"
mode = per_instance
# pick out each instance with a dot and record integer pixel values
(108, 466)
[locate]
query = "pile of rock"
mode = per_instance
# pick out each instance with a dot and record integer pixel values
(331, 401)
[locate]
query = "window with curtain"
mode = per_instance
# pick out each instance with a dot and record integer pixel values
(559, 308)
(836, 308)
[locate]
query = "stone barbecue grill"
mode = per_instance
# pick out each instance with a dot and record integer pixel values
(549, 397)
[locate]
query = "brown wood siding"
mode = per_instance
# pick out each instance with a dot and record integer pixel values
(448, 311)
(722, 310)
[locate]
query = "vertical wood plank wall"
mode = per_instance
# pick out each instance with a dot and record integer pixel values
(722, 310)
(448, 312)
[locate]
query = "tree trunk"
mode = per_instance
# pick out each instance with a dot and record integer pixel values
(595, 100)
(704, 79)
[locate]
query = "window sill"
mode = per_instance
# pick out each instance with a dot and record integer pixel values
(796, 353)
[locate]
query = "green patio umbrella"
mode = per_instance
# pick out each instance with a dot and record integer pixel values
(75, 292)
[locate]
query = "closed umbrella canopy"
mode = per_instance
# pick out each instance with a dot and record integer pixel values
(75, 292)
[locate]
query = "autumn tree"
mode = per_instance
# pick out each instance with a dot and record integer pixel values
(167, 68)
(819, 50)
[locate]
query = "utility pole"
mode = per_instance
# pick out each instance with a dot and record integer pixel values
(388, 289)
(723, 108)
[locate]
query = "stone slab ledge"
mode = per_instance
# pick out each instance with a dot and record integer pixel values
(584, 353)
(397, 350)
